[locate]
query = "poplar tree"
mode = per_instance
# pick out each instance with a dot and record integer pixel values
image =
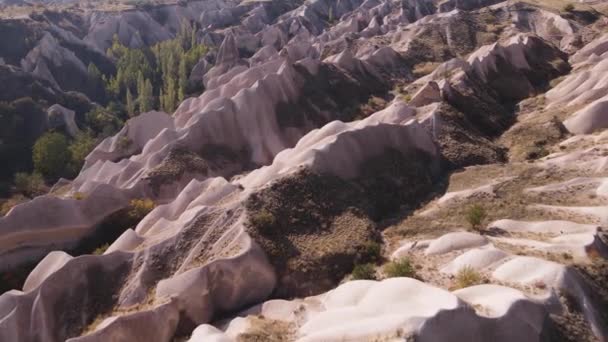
(130, 104)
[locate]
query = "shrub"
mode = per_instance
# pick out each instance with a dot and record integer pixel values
(568, 8)
(139, 208)
(101, 249)
(370, 251)
(467, 276)
(29, 185)
(79, 150)
(51, 155)
(263, 220)
(475, 216)
(10, 203)
(400, 268)
(425, 68)
(79, 196)
(124, 143)
(364, 272)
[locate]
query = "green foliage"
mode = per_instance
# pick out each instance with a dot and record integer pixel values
(130, 63)
(80, 148)
(105, 121)
(476, 214)
(568, 7)
(467, 276)
(263, 220)
(400, 268)
(19, 128)
(162, 69)
(30, 185)
(139, 208)
(364, 272)
(130, 105)
(12, 202)
(51, 155)
(101, 249)
(94, 72)
(124, 143)
(371, 252)
(146, 97)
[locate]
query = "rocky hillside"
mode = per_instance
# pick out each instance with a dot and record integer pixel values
(378, 170)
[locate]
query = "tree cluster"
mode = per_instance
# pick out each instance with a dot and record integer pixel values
(155, 77)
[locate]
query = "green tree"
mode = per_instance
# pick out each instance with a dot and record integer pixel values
(183, 80)
(170, 95)
(146, 103)
(79, 150)
(94, 73)
(130, 104)
(51, 155)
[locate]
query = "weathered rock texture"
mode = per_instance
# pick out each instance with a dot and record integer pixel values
(312, 131)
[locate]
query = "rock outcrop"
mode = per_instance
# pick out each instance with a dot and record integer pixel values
(298, 160)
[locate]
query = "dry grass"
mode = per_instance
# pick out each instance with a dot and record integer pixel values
(8, 204)
(537, 130)
(425, 68)
(509, 200)
(400, 268)
(466, 277)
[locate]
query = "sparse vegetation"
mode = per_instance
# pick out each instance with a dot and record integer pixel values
(79, 196)
(124, 143)
(263, 220)
(400, 268)
(371, 252)
(425, 68)
(30, 185)
(364, 272)
(569, 7)
(476, 214)
(101, 249)
(139, 208)
(467, 276)
(11, 202)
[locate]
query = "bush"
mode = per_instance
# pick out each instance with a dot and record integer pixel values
(263, 220)
(467, 276)
(101, 249)
(139, 208)
(124, 143)
(10, 203)
(30, 185)
(568, 8)
(370, 252)
(51, 155)
(400, 268)
(79, 196)
(475, 216)
(79, 150)
(364, 272)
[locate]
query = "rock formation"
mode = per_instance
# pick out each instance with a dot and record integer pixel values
(330, 135)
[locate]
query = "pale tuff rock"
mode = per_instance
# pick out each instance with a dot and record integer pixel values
(262, 123)
(59, 117)
(206, 221)
(428, 94)
(393, 309)
(588, 87)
